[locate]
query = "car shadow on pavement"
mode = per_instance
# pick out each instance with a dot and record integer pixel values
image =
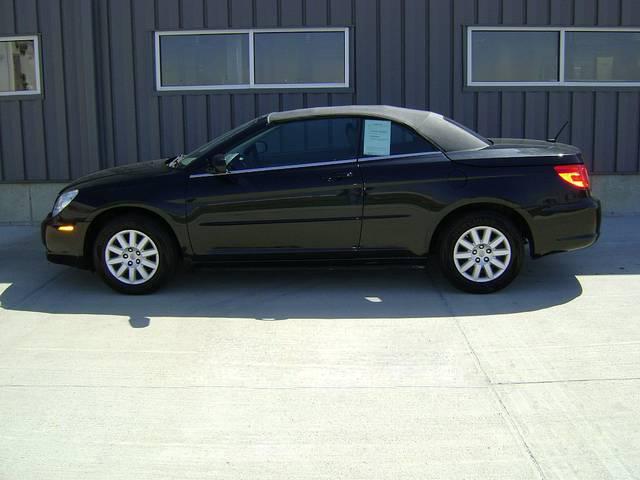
(270, 294)
(33, 285)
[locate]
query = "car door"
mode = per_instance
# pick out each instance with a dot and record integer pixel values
(293, 187)
(407, 180)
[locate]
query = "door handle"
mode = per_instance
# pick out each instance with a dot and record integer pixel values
(340, 176)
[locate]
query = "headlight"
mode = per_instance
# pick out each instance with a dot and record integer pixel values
(63, 200)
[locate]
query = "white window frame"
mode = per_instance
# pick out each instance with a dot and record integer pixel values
(252, 85)
(561, 82)
(36, 53)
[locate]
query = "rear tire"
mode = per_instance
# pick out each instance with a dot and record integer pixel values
(134, 254)
(481, 252)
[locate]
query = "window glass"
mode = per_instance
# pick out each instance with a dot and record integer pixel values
(196, 60)
(295, 143)
(18, 66)
(224, 138)
(404, 141)
(383, 137)
(602, 57)
(299, 57)
(515, 56)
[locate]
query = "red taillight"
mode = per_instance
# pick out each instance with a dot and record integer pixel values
(576, 175)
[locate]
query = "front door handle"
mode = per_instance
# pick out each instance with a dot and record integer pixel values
(340, 176)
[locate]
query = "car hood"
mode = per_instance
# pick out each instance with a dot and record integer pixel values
(123, 173)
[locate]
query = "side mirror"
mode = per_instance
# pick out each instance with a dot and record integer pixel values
(218, 164)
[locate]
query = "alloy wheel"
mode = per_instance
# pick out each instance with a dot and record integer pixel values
(131, 257)
(482, 254)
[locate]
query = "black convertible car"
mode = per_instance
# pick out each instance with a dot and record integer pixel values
(353, 183)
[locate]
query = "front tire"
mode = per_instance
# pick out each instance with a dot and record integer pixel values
(481, 252)
(134, 255)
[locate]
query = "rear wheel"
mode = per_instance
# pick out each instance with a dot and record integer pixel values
(481, 252)
(134, 254)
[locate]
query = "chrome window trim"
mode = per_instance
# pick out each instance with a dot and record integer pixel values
(252, 85)
(561, 82)
(317, 164)
(269, 169)
(401, 155)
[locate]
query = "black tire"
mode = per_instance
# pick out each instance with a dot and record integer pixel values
(457, 228)
(166, 259)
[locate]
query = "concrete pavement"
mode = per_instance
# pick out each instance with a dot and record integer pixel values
(373, 372)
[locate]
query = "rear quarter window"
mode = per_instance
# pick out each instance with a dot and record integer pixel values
(405, 142)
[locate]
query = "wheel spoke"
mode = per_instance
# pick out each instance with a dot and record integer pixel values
(466, 244)
(132, 238)
(488, 270)
(467, 266)
(475, 236)
(132, 274)
(112, 249)
(142, 243)
(149, 253)
(501, 253)
(463, 255)
(122, 241)
(143, 273)
(486, 238)
(497, 241)
(147, 263)
(121, 270)
(498, 264)
(476, 271)
(115, 261)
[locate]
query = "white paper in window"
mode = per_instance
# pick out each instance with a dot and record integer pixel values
(377, 137)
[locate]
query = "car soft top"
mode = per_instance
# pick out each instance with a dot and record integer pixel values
(441, 131)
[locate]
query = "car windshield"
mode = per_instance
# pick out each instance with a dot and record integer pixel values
(184, 160)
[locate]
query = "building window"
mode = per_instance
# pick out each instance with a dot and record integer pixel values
(548, 56)
(192, 60)
(19, 66)
(515, 56)
(252, 59)
(602, 57)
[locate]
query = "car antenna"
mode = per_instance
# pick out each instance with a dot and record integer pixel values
(555, 139)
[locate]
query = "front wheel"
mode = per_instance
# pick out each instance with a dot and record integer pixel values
(134, 255)
(481, 252)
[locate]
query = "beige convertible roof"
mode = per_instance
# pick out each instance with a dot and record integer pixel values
(443, 132)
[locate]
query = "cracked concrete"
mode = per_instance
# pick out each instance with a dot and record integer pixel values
(372, 372)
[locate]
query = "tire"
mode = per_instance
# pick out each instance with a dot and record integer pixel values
(474, 266)
(134, 268)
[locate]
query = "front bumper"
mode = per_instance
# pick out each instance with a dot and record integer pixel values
(563, 228)
(66, 248)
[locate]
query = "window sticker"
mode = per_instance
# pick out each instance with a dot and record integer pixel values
(377, 137)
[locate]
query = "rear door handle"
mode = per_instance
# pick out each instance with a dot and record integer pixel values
(340, 176)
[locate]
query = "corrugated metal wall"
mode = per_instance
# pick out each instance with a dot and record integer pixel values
(100, 109)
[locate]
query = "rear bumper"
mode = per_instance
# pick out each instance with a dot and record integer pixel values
(65, 248)
(563, 228)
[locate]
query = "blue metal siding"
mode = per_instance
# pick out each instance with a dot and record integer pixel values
(100, 108)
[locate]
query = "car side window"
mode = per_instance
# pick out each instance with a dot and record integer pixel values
(404, 141)
(384, 137)
(297, 143)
